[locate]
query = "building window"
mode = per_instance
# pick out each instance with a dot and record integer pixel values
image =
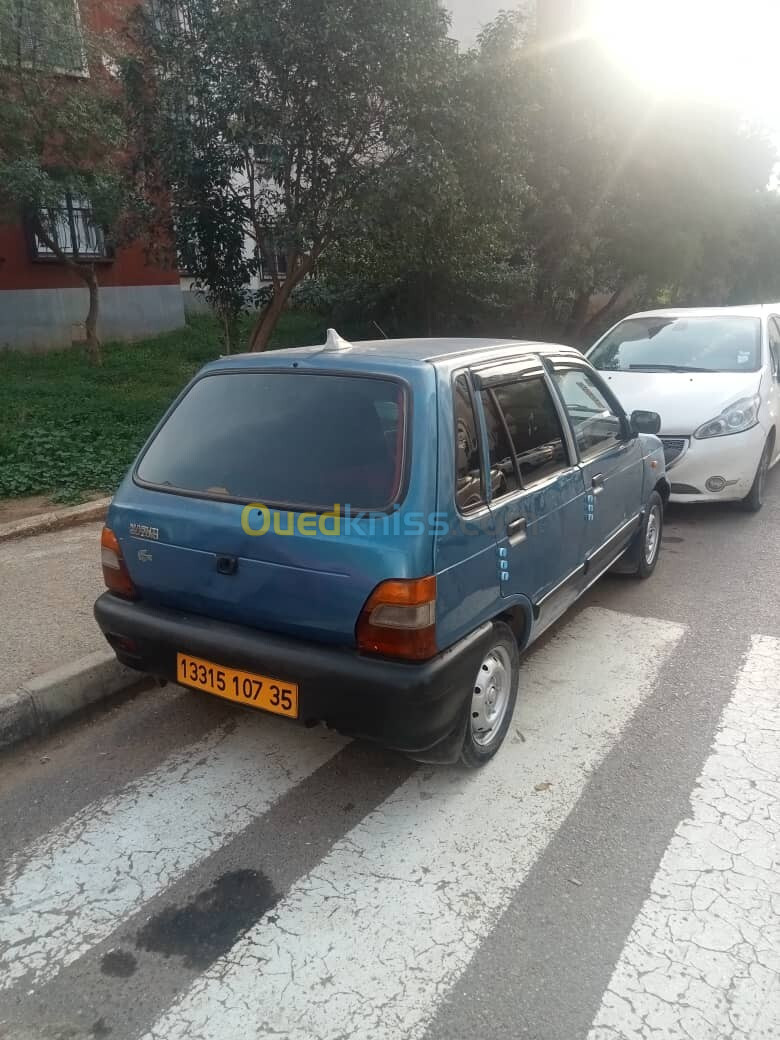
(43, 34)
(72, 226)
(171, 17)
(279, 269)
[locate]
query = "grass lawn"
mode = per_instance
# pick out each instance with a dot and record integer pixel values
(68, 429)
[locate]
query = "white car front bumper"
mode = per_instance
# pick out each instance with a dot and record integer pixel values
(735, 459)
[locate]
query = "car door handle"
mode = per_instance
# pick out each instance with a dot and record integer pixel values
(597, 484)
(517, 531)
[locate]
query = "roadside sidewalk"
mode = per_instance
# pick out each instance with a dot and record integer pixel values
(54, 659)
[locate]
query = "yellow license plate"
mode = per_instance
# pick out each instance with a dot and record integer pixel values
(256, 691)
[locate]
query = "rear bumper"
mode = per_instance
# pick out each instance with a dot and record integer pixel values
(416, 708)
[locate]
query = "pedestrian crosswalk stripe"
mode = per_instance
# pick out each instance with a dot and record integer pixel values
(74, 886)
(369, 943)
(703, 958)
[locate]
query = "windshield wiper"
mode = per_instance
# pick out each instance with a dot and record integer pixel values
(666, 368)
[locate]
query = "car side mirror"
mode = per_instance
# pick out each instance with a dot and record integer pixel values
(646, 422)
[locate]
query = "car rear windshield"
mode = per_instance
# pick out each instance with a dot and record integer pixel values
(299, 440)
(667, 344)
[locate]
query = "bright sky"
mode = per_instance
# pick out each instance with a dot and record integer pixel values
(468, 16)
(721, 49)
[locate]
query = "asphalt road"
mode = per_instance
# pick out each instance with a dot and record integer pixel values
(171, 868)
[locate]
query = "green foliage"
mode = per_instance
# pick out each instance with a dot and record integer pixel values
(271, 120)
(59, 134)
(544, 179)
(56, 133)
(68, 428)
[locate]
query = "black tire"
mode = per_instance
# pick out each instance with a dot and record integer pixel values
(501, 663)
(652, 528)
(755, 500)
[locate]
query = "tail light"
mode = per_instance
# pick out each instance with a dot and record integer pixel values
(115, 573)
(399, 620)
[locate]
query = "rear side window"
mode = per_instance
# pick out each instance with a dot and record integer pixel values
(468, 489)
(526, 439)
(535, 429)
(299, 440)
(504, 475)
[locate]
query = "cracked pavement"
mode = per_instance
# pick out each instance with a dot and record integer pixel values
(171, 868)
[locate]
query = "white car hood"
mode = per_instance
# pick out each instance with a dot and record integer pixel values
(684, 400)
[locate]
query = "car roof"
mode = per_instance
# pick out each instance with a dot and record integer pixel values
(757, 310)
(442, 351)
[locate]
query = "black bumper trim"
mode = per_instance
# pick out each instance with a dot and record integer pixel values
(414, 708)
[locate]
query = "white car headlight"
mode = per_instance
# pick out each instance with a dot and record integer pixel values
(738, 417)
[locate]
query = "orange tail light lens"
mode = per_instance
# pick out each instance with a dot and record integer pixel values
(399, 620)
(115, 573)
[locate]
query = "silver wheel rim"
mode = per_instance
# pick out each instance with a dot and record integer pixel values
(652, 534)
(490, 699)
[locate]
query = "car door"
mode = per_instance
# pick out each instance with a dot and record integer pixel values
(537, 493)
(774, 357)
(610, 458)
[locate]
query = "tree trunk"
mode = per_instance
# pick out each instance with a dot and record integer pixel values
(619, 299)
(86, 272)
(226, 333)
(268, 319)
(94, 352)
(579, 313)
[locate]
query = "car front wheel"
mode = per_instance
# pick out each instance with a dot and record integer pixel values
(755, 500)
(650, 536)
(493, 698)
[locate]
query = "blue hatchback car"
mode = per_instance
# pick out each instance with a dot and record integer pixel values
(369, 535)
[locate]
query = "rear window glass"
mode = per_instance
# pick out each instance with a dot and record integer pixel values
(298, 440)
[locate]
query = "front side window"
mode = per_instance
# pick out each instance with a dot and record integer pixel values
(298, 440)
(42, 34)
(596, 426)
(71, 227)
(669, 344)
(774, 345)
(468, 466)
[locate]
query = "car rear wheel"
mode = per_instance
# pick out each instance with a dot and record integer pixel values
(493, 698)
(650, 536)
(755, 500)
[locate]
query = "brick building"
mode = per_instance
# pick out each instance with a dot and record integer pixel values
(42, 303)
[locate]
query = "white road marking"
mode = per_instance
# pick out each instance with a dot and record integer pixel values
(368, 944)
(74, 886)
(703, 959)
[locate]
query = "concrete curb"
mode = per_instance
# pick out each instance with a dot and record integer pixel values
(56, 520)
(48, 699)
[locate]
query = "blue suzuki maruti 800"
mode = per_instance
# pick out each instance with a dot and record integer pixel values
(369, 535)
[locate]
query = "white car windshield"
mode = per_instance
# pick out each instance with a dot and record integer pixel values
(667, 344)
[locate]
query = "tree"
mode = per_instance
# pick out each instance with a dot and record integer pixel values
(633, 197)
(435, 250)
(60, 136)
(290, 111)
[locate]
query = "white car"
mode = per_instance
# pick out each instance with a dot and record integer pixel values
(714, 377)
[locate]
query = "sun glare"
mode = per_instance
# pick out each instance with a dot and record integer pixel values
(714, 49)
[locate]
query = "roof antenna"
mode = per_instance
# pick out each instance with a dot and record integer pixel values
(334, 343)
